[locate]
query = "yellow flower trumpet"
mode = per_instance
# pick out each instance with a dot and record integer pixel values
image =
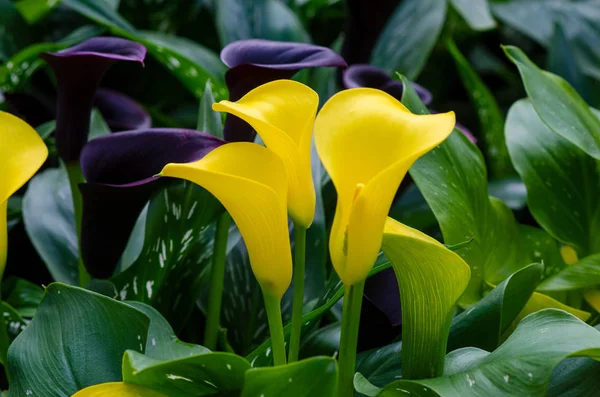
(250, 181)
(283, 113)
(367, 141)
(22, 153)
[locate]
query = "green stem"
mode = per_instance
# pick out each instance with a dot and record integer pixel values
(349, 338)
(273, 308)
(217, 277)
(299, 268)
(75, 178)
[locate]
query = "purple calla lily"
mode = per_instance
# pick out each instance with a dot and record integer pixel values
(120, 112)
(255, 62)
(371, 76)
(119, 170)
(78, 72)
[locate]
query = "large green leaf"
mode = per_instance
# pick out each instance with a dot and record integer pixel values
(315, 376)
(575, 377)
(15, 32)
(482, 325)
(409, 36)
(191, 376)
(563, 182)
(77, 339)
(476, 13)
(50, 223)
(490, 116)
(431, 279)
(22, 295)
(262, 19)
(177, 251)
(558, 104)
(583, 274)
(453, 180)
(521, 366)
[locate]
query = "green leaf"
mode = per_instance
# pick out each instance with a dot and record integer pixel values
(476, 13)
(34, 10)
(453, 180)
(14, 211)
(16, 34)
(209, 121)
(409, 37)
(558, 104)
(98, 126)
(161, 341)
(22, 295)
(262, 19)
(14, 323)
(431, 279)
(583, 274)
(489, 114)
(100, 12)
(562, 181)
(381, 366)
(306, 378)
(77, 339)
(575, 377)
(482, 325)
(50, 223)
(191, 376)
(521, 366)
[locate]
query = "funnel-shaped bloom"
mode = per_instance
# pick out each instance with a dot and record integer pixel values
(22, 153)
(250, 181)
(119, 170)
(78, 72)
(283, 113)
(367, 141)
(120, 112)
(255, 62)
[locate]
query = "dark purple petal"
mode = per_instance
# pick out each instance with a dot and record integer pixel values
(119, 171)
(78, 72)
(365, 19)
(371, 76)
(255, 62)
(120, 112)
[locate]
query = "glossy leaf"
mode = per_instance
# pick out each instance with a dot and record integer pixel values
(59, 344)
(520, 366)
(176, 251)
(431, 279)
(558, 104)
(583, 274)
(409, 37)
(191, 376)
(476, 13)
(562, 181)
(22, 295)
(209, 121)
(489, 114)
(575, 377)
(50, 223)
(120, 389)
(306, 378)
(483, 324)
(453, 180)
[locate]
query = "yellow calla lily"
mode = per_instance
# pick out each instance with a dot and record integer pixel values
(117, 389)
(283, 113)
(22, 153)
(367, 141)
(250, 182)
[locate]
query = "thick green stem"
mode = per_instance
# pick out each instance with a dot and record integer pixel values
(349, 338)
(299, 265)
(273, 308)
(75, 178)
(217, 277)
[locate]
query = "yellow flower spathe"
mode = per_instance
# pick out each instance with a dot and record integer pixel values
(283, 113)
(367, 141)
(117, 389)
(22, 153)
(250, 182)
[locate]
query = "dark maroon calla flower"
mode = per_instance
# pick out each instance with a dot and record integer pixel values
(119, 171)
(255, 62)
(120, 112)
(78, 72)
(371, 76)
